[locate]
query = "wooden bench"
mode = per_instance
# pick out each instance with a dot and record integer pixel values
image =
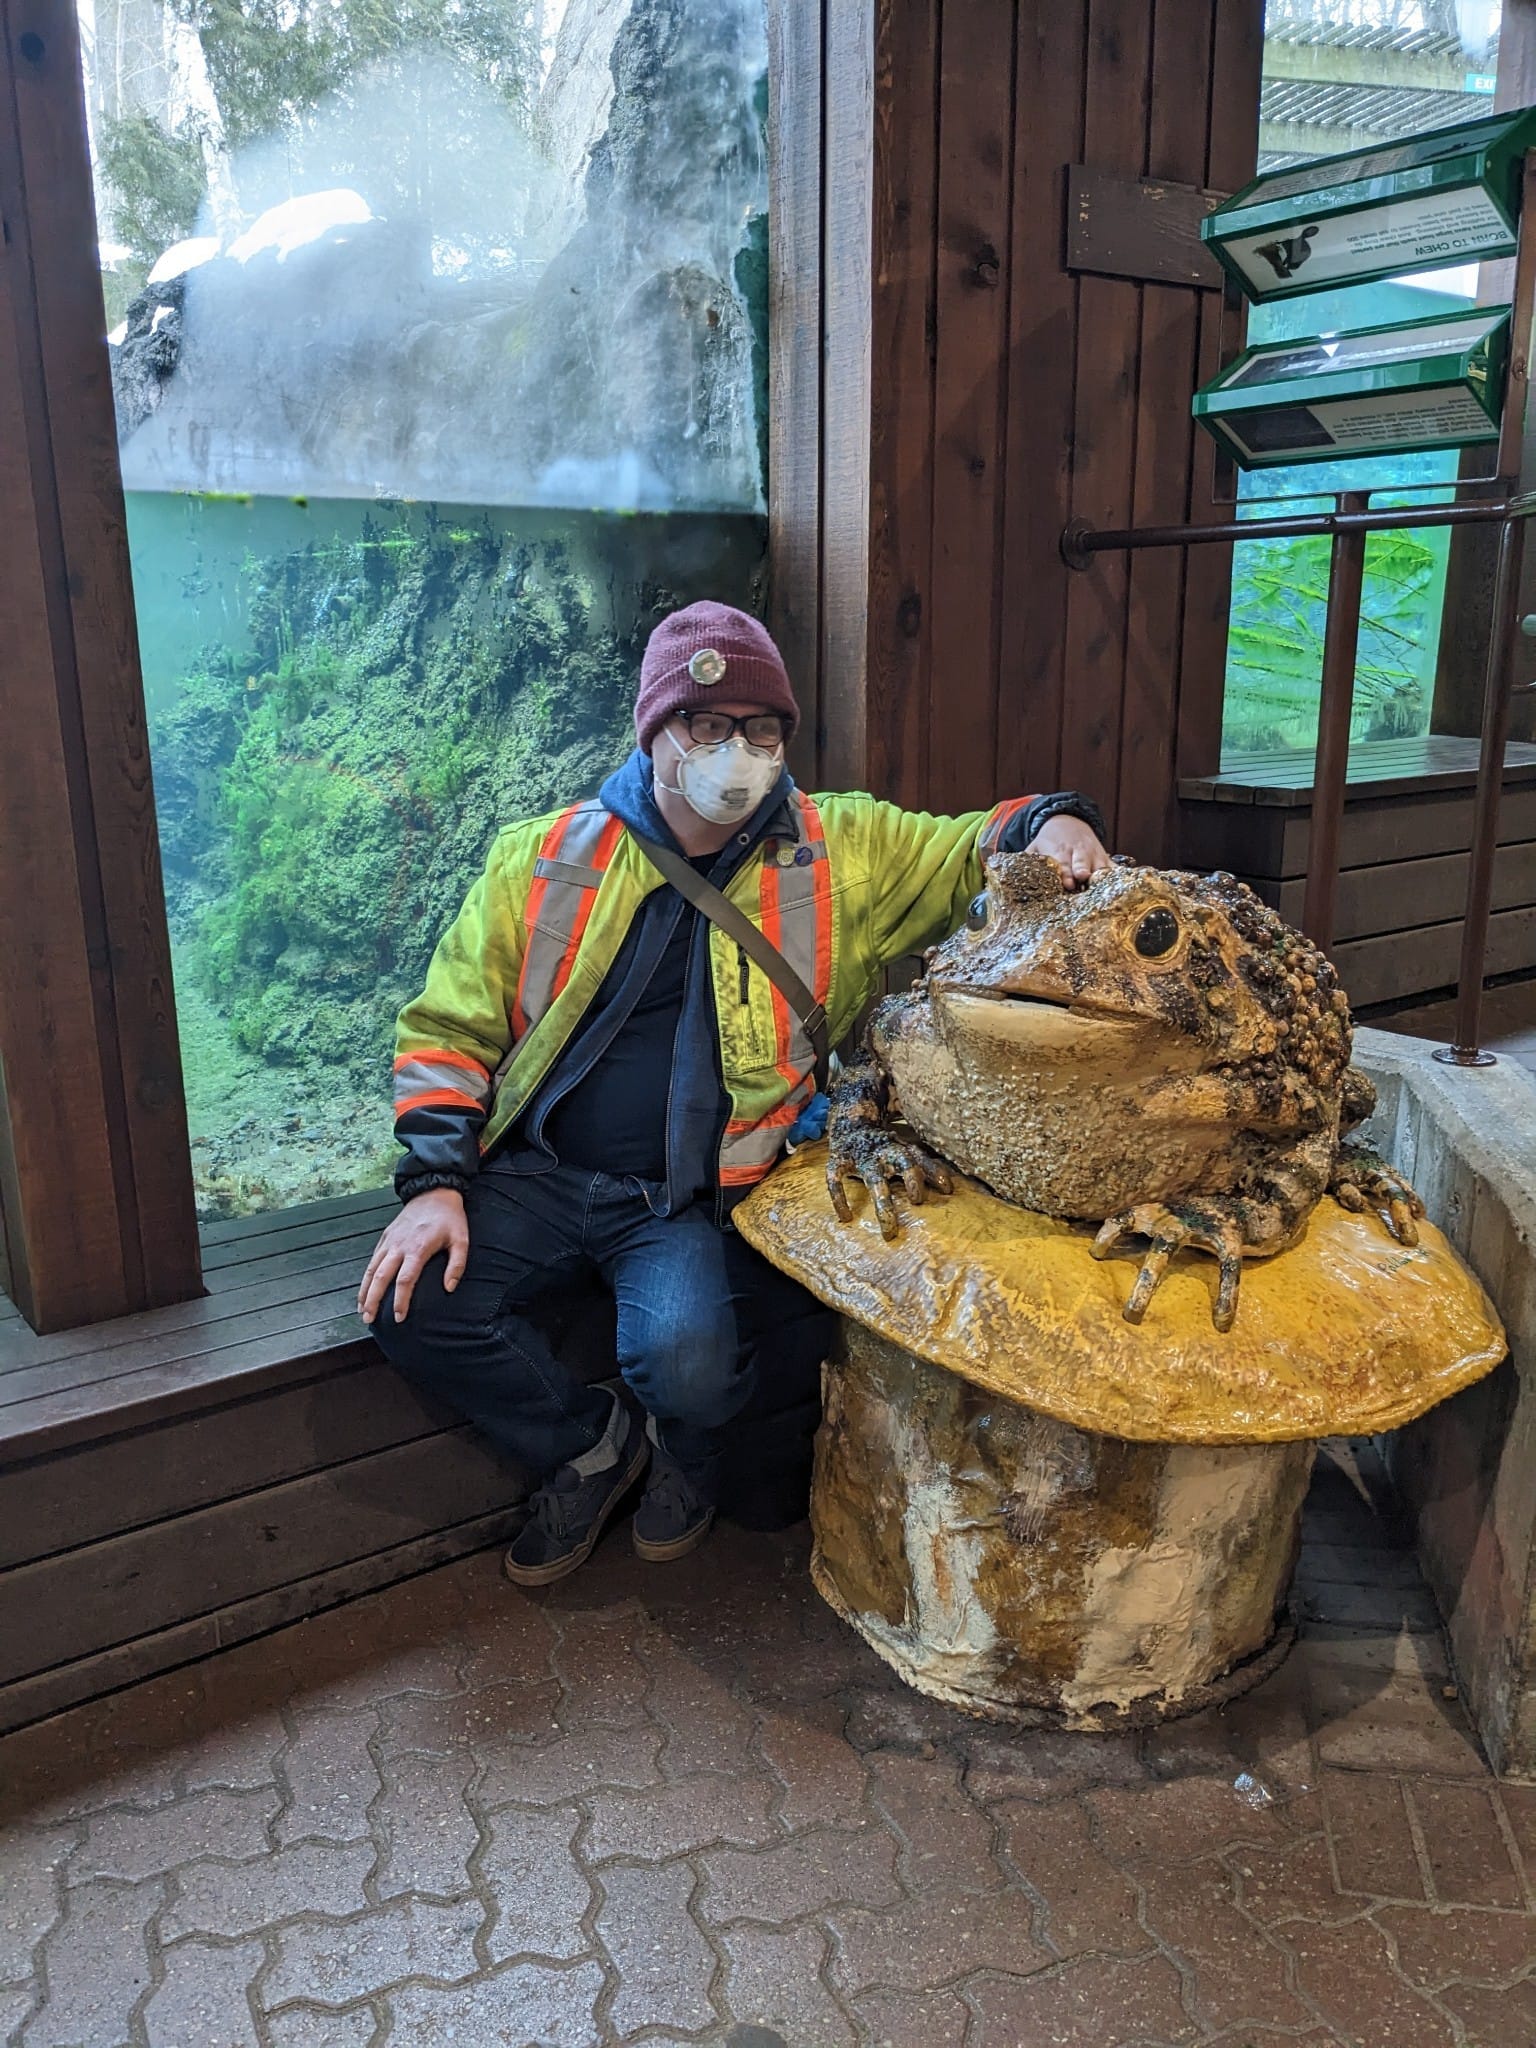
(174, 1482)
(1404, 852)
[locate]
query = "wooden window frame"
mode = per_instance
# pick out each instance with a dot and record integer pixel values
(1466, 609)
(96, 1198)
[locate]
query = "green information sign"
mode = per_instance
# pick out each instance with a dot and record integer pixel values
(1374, 391)
(1445, 198)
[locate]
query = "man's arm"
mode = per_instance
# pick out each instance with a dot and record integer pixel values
(925, 870)
(1067, 827)
(453, 1036)
(449, 1043)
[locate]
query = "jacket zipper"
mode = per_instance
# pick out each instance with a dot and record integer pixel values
(742, 984)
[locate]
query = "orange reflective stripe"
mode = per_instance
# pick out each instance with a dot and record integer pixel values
(752, 1145)
(821, 886)
(436, 1098)
(769, 906)
(795, 911)
(440, 1075)
(783, 1116)
(744, 1176)
(998, 819)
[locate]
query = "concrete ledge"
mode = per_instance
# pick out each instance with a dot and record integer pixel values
(1466, 1137)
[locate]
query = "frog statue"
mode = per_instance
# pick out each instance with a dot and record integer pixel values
(1156, 1052)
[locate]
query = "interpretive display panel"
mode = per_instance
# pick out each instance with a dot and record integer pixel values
(1449, 197)
(1377, 391)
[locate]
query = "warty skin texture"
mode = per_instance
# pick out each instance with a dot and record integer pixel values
(1159, 1053)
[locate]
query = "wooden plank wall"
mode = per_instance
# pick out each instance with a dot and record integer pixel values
(1403, 858)
(794, 349)
(1008, 395)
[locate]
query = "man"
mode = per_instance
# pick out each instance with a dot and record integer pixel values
(595, 1073)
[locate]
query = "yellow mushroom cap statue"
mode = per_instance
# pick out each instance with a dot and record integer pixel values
(1346, 1334)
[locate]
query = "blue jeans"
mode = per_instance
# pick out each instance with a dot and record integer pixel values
(708, 1331)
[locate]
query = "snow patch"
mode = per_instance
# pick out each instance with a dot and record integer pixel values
(294, 222)
(183, 256)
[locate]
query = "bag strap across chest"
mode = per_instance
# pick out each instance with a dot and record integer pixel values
(720, 910)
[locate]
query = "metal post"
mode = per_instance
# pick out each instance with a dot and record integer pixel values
(1466, 1051)
(1345, 577)
(1522, 300)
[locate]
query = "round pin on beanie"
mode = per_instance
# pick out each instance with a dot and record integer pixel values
(706, 652)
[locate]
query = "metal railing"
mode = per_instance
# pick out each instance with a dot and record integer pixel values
(1348, 526)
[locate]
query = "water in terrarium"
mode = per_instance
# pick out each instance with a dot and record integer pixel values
(438, 348)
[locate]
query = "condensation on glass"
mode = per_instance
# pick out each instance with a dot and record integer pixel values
(438, 346)
(1342, 75)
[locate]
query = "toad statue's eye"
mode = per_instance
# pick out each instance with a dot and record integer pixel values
(1157, 934)
(976, 916)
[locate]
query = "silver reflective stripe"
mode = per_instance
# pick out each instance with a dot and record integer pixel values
(567, 871)
(555, 904)
(424, 1075)
(797, 934)
(756, 1149)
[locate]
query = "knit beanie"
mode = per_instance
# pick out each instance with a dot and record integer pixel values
(709, 651)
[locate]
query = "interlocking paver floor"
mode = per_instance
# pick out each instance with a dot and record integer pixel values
(684, 1804)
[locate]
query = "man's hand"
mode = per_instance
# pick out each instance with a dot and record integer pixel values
(1075, 848)
(432, 1223)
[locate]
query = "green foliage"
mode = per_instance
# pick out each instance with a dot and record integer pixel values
(271, 65)
(268, 63)
(1275, 641)
(323, 803)
(157, 180)
(272, 61)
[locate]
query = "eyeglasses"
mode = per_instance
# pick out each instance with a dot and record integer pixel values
(710, 728)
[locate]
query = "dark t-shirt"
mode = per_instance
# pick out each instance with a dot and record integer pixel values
(615, 1119)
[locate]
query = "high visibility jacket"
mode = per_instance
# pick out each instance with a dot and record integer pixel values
(859, 884)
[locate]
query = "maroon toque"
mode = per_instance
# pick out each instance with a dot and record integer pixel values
(710, 652)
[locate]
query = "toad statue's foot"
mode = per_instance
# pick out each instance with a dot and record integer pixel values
(878, 1157)
(1207, 1227)
(1362, 1180)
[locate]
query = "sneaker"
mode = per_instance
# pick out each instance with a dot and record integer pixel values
(671, 1519)
(571, 1510)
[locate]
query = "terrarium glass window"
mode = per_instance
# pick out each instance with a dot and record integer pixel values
(1347, 75)
(439, 349)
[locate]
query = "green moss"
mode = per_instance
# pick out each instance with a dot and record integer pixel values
(324, 802)
(1276, 633)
